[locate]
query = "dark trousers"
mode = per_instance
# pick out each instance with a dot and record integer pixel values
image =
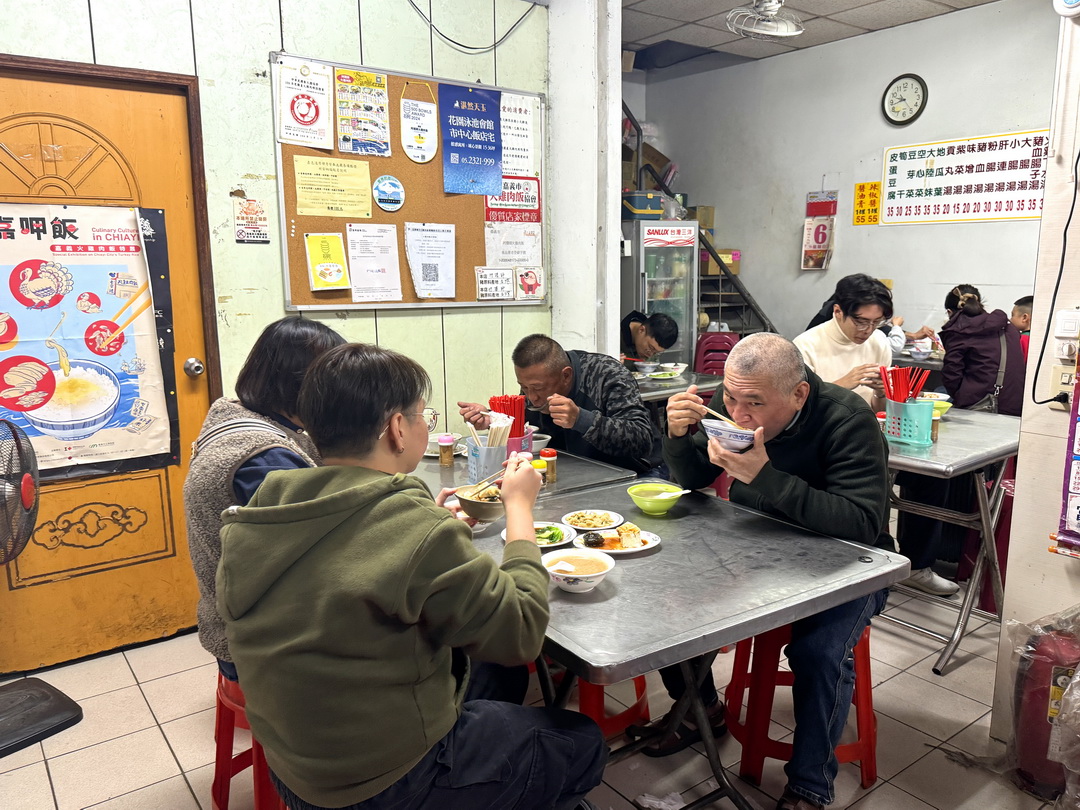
(675, 685)
(921, 539)
(498, 754)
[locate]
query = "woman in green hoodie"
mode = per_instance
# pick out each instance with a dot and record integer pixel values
(353, 603)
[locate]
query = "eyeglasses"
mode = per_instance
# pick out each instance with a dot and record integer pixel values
(431, 417)
(864, 325)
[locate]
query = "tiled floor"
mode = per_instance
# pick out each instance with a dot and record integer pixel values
(147, 737)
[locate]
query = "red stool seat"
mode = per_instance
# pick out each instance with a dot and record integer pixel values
(229, 715)
(762, 679)
(591, 704)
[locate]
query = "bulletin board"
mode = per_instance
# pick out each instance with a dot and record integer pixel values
(425, 200)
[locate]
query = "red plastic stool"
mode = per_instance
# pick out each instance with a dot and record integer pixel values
(230, 714)
(591, 704)
(762, 681)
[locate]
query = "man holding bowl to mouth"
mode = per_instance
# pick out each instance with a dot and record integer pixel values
(818, 460)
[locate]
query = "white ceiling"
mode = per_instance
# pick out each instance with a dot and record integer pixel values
(703, 23)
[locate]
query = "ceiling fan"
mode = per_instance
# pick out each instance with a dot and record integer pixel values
(765, 19)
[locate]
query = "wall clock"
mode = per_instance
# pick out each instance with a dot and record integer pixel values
(904, 99)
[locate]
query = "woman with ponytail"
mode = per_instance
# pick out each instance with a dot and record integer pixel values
(972, 338)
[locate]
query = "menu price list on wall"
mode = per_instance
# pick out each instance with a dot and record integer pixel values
(981, 179)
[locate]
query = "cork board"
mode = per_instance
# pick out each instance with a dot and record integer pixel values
(425, 202)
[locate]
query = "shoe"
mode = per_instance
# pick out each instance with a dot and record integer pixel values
(585, 804)
(789, 801)
(927, 581)
(682, 738)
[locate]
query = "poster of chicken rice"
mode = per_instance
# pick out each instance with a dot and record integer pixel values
(80, 370)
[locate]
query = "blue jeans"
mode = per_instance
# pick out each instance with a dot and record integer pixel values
(820, 658)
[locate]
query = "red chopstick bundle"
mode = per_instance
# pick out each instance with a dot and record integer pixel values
(513, 406)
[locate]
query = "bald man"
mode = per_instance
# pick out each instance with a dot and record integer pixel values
(819, 461)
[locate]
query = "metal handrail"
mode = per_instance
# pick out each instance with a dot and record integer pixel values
(737, 284)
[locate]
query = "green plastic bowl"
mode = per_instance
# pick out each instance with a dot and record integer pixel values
(643, 496)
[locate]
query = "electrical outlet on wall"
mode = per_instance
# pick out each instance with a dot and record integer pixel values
(1062, 378)
(1066, 330)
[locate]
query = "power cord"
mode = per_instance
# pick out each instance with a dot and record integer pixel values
(473, 48)
(1057, 286)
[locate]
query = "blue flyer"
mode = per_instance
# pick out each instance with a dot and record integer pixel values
(471, 131)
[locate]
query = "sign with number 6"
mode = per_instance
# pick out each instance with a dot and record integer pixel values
(817, 242)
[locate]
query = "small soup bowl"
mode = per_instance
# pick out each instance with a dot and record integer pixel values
(573, 581)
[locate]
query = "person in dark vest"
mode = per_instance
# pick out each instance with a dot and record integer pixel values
(242, 440)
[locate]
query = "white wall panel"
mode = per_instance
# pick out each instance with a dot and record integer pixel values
(138, 43)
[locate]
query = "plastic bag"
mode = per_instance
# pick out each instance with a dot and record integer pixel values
(1067, 730)
(1043, 748)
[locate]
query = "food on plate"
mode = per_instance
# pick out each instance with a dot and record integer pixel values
(630, 536)
(489, 494)
(582, 566)
(548, 535)
(593, 539)
(588, 520)
(626, 538)
(664, 375)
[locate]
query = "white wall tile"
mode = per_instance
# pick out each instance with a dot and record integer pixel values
(137, 42)
(394, 37)
(475, 357)
(49, 29)
(470, 22)
(418, 334)
(521, 61)
(306, 32)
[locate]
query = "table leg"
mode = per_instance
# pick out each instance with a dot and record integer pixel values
(554, 696)
(989, 511)
(701, 718)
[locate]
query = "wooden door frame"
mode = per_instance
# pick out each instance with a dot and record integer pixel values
(81, 72)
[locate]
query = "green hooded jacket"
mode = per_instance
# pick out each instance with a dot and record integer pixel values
(345, 592)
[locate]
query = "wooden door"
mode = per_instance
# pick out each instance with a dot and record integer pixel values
(85, 135)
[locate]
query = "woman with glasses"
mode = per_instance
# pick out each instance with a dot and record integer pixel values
(351, 600)
(242, 440)
(848, 349)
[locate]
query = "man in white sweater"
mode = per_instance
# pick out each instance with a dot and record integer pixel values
(849, 349)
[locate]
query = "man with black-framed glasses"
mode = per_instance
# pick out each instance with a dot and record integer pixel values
(848, 349)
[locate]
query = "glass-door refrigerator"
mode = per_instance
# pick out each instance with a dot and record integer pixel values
(660, 275)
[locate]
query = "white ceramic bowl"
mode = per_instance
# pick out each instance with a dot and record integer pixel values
(678, 368)
(918, 355)
(433, 441)
(539, 442)
(86, 422)
(572, 582)
(645, 367)
(730, 437)
(935, 396)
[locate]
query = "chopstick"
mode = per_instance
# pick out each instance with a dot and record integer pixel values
(138, 291)
(489, 479)
(731, 422)
(139, 311)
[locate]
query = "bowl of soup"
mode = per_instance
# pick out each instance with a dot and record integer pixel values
(646, 497)
(483, 503)
(578, 570)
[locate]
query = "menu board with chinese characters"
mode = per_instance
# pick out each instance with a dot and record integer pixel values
(383, 201)
(867, 208)
(981, 179)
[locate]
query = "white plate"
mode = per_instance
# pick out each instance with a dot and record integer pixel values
(670, 374)
(651, 541)
(459, 450)
(616, 519)
(637, 375)
(569, 533)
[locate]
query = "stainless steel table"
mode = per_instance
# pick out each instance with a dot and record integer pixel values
(931, 363)
(722, 573)
(653, 390)
(969, 443)
(574, 473)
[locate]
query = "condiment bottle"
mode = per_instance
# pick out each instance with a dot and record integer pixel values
(446, 450)
(549, 455)
(934, 427)
(541, 467)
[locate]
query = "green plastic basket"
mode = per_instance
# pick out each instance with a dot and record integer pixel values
(909, 422)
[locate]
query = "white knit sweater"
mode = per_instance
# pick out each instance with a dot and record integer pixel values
(831, 355)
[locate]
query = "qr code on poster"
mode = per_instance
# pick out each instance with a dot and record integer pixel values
(429, 272)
